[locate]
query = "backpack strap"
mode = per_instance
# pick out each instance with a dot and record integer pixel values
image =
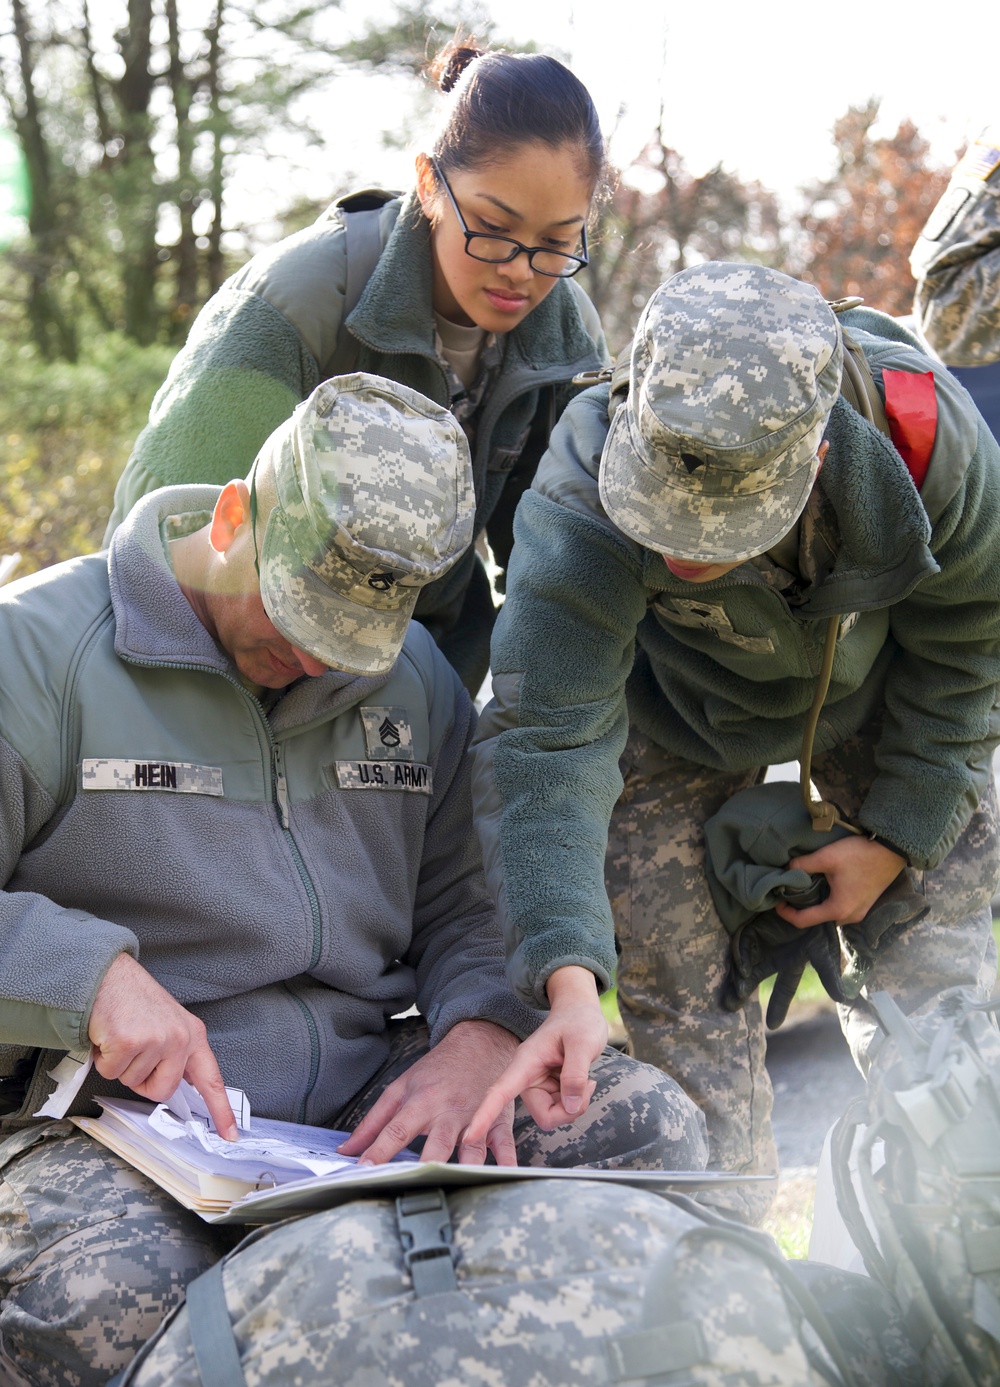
(857, 384)
(660, 1348)
(887, 1260)
(908, 415)
(360, 213)
(212, 1338)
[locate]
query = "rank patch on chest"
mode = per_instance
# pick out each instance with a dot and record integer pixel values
(388, 734)
(378, 775)
(179, 777)
(710, 616)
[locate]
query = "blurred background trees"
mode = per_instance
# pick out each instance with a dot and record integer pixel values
(130, 114)
(660, 218)
(131, 117)
(858, 227)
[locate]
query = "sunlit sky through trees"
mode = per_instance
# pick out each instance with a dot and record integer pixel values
(755, 86)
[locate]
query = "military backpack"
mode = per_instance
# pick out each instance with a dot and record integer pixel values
(545, 1283)
(916, 1167)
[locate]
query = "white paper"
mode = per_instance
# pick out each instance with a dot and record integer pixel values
(184, 1118)
(187, 1103)
(282, 1190)
(284, 1151)
(264, 1206)
(69, 1075)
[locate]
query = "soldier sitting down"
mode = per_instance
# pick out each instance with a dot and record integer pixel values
(236, 841)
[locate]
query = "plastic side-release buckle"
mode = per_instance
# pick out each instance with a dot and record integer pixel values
(937, 1106)
(426, 1234)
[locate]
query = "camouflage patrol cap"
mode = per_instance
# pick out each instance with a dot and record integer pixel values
(734, 371)
(374, 499)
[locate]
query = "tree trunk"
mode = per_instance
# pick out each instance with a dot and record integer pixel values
(134, 93)
(52, 331)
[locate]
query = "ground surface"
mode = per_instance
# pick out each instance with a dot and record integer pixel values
(814, 1079)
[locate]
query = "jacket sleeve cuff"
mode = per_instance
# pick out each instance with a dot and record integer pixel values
(499, 1006)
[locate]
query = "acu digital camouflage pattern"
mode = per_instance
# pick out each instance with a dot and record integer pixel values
(956, 261)
(675, 949)
(92, 1258)
(637, 1119)
(557, 1285)
(734, 371)
(93, 1255)
(374, 500)
(182, 777)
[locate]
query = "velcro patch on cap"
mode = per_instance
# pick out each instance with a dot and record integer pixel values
(179, 777)
(380, 775)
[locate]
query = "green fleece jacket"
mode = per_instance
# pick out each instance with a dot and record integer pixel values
(596, 632)
(273, 332)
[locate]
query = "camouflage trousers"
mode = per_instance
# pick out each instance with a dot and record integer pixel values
(674, 948)
(93, 1256)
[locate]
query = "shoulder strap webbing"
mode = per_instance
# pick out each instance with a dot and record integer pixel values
(634, 1354)
(360, 212)
(364, 246)
(211, 1330)
(857, 384)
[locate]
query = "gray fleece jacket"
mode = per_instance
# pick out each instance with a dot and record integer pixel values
(596, 632)
(294, 876)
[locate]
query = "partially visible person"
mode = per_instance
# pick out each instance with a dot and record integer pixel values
(983, 384)
(235, 841)
(462, 289)
(956, 261)
(679, 560)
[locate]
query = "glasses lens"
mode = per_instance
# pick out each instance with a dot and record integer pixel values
(493, 249)
(497, 250)
(547, 262)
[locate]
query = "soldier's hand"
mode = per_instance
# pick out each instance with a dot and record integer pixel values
(551, 1070)
(435, 1099)
(145, 1039)
(857, 870)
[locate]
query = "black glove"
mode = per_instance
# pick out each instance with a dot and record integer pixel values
(768, 945)
(900, 905)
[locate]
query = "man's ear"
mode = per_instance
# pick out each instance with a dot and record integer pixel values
(427, 188)
(232, 510)
(822, 451)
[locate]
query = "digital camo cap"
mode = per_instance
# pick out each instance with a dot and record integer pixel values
(374, 500)
(734, 371)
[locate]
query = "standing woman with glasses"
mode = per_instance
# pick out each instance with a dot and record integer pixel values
(465, 293)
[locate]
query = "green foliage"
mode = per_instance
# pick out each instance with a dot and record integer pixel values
(66, 431)
(791, 1217)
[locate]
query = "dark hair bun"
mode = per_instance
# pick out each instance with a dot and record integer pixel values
(499, 101)
(452, 61)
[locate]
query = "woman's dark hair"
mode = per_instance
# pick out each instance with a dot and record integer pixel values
(502, 100)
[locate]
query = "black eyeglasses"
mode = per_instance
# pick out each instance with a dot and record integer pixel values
(499, 250)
